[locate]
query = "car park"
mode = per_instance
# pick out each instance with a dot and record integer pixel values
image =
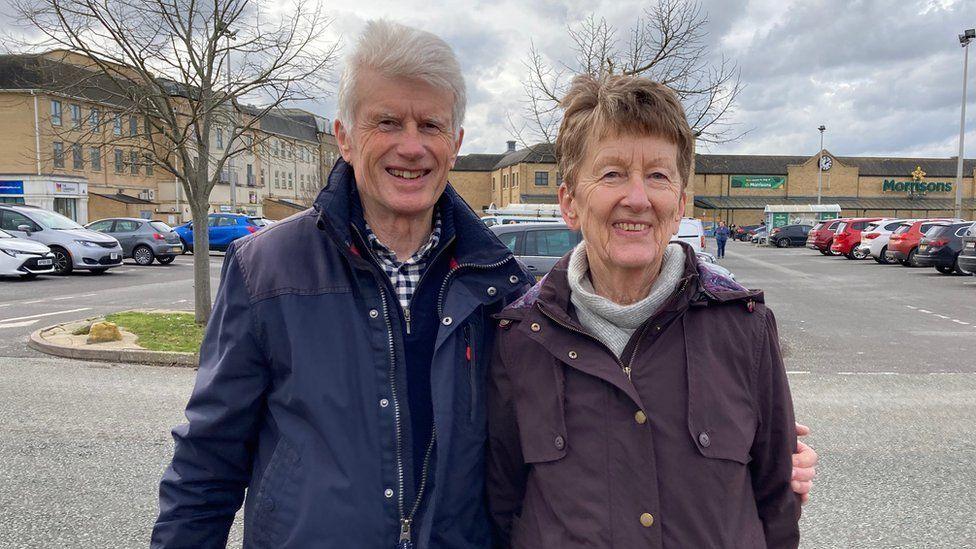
(821, 236)
(874, 238)
(74, 247)
(222, 228)
(24, 258)
(903, 244)
(537, 245)
(705, 257)
(143, 240)
(941, 245)
(789, 235)
(967, 256)
(745, 232)
(847, 237)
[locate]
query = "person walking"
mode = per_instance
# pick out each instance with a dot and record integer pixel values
(722, 234)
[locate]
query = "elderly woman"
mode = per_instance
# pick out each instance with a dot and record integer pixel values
(637, 399)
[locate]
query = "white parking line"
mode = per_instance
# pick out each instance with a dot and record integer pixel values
(44, 314)
(20, 324)
(924, 311)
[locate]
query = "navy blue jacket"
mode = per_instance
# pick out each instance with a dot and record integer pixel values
(300, 394)
(723, 233)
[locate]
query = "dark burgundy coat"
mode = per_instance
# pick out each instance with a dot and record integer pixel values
(694, 451)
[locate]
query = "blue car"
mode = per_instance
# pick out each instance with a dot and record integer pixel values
(223, 229)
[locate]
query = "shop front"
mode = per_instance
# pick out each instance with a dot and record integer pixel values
(66, 195)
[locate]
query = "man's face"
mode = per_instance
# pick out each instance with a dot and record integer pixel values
(401, 146)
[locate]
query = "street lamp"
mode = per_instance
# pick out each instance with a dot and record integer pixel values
(224, 31)
(964, 39)
(822, 129)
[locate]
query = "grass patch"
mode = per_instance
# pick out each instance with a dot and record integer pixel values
(162, 331)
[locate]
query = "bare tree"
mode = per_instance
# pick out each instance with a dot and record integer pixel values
(185, 67)
(666, 44)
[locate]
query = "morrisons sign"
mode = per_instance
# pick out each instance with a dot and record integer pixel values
(918, 184)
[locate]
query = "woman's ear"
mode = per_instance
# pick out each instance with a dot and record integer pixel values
(567, 205)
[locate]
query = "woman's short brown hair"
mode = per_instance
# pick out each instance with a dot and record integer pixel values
(620, 105)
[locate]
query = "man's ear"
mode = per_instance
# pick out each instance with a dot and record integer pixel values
(567, 205)
(343, 139)
(457, 146)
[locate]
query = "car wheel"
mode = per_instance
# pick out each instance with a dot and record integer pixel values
(99, 271)
(187, 249)
(957, 269)
(62, 260)
(143, 255)
(883, 257)
(783, 243)
(911, 261)
(944, 270)
(850, 255)
(823, 252)
(166, 259)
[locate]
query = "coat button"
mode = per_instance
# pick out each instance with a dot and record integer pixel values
(535, 327)
(373, 313)
(384, 403)
(647, 520)
(573, 354)
(388, 493)
(447, 321)
(560, 442)
(640, 417)
(704, 440)
(513, 279)
(267, 504)
(492, 290)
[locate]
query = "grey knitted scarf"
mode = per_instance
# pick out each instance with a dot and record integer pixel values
(611, 323)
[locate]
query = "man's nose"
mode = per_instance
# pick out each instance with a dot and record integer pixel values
(411, 144)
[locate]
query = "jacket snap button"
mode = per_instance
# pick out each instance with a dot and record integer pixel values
(573, 354)
(384, 403)
(560, 442)
(492, 291)
(388, 493)
(640, 417)
(535, 327)
(513, 279)
(373, 313)
(447, 321)
(267, 504)
(704, 440)
(647, 520)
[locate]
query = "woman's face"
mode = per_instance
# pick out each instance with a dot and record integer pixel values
(627, 201)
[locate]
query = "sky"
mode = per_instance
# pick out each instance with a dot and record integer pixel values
(883, 76)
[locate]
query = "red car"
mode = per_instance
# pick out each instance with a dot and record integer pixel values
(822, 235)
(903, 244)
(847, 237)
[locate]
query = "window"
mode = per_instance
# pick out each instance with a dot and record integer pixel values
(515, 179)
(559, 178)
(549, 242)
(149, 164)
(58, 154)
(276, 149)
(133, 126)
(892, 226)
(902, 229)
(492, 182)
(117, 124)
(146, 128)
(102, 226)
(133, 162)
(541, 178)
(77, 157)
(96, 158)
(509, 239)
(220, 138)
(125, 226)
(75, 115)
(504, 181)
(262, 177)
(212, 220)
(291, 151)
(277, 181)
(10, 220)
(119, 160)
(249, 140)
(226, 221)
(290, 185)
(94, 119)
(56, 113)
(160, 226)
(301, 180)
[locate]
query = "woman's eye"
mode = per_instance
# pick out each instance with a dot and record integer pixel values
(611, 175)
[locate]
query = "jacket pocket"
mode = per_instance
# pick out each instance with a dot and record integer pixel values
(539, 406)
(278, 495)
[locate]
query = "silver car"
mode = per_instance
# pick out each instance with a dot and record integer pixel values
(143, 240)
(73, 246)
(537, 245)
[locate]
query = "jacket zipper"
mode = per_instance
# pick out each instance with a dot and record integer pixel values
(472, 370)
(452, 272)
(406, 311)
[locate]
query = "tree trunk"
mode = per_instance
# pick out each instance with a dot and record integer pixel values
(201, 261)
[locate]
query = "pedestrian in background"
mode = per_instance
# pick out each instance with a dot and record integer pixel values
(722, 234)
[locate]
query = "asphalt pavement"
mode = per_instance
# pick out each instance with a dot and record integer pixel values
(881, 362)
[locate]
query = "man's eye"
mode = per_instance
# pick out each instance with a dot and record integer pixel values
(431, 127)
(387, 123)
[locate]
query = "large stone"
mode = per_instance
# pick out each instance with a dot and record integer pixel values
(102, 332)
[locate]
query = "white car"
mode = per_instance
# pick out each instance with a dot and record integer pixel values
(691, 231)
(874, 238)
(24, 258)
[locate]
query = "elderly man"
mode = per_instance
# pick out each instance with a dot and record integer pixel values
(342, 376)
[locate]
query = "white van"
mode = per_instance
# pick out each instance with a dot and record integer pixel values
(492, 220)
(691, 231)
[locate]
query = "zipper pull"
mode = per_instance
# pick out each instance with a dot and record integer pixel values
(627, 371)
(406, 318)
(405, 542)
(467, 344)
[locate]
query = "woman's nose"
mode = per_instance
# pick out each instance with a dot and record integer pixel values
(636, 194)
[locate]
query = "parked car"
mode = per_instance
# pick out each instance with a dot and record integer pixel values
(903, 244)
(537, 245)
(706, 257)
(967, 257)
(758, 235)
(941, 245)
(691, 231)
(745, 232)
(73, 246)
(847, 237)
(223, 229)
(874, 238)
(24, 258)
(789, 235)
(143, 240)
(821, 236)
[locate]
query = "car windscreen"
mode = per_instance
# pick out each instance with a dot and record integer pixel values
(892, 226)
(160, 226)
(53, 220)
(833, 226)
(817, 227)
(926, 227)
(549, 242)
(259, 221)
(934, 230)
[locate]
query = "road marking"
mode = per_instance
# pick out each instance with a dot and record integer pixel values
(4, 320)
(33, 302)
(943, 317)
(20, 324)
(924, 311)
(912, 308)
(960, 322)
(796, 372)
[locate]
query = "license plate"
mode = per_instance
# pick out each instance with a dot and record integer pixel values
(923, 247)
(113, 257)
(972, 245)
(45, 262)
(177, 249)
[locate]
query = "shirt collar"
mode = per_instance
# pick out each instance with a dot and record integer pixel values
(386, 254)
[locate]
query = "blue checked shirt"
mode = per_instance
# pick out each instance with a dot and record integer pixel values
(405, 275)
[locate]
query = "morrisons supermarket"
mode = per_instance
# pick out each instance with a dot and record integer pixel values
(737, 188)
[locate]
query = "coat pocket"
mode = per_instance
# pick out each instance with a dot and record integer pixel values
(278, 495)
(539, 405)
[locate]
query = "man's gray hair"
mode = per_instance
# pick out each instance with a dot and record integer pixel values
(394, 50)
